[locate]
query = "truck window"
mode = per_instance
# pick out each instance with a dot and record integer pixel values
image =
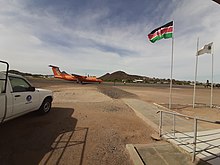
(2, 84)
(19, 84)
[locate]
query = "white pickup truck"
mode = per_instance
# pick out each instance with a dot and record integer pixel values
(18, 96)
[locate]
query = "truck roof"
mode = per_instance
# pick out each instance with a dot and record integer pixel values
(10, 74)
(15, 75)
(2, 76)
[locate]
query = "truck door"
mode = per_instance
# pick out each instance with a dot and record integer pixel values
(23, 98)
(4, 66)
(2, 103)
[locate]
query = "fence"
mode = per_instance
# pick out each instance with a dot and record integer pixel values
(195, 126)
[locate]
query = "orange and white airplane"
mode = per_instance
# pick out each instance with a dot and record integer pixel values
(73, 77)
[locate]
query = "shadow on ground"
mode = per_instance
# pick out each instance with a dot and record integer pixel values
(27, 139)
(115, 92)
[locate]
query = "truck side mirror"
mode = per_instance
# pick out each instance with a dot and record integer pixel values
(32, 89)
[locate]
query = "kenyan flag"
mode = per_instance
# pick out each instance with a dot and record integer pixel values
(165, 31)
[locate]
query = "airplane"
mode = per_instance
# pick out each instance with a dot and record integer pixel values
(73, 77)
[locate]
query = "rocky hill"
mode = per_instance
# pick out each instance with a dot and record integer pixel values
(120, 76)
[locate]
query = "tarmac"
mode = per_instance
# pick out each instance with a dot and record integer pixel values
(176, 148)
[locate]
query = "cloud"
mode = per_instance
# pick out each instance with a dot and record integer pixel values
(195, 20)
(105, 36)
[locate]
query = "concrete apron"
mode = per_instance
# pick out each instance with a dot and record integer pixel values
(151, 152)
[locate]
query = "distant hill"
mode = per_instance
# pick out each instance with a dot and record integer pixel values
(25, 74)
(120, 75)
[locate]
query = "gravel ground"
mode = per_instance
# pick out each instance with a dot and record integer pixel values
(88, 124)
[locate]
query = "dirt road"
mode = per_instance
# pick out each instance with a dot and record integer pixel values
(181, 99)
(89, 124)
(84, 126)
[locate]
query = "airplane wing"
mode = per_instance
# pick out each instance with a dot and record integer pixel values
(79, 76)
(86, 78)
(53, 66)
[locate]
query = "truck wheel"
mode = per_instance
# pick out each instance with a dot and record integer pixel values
(46, 106)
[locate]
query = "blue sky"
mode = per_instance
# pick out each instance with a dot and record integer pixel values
(99, 36)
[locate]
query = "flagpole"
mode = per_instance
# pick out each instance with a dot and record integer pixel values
(171, 74)
(158, 34)
(212, 79)
(194, 91)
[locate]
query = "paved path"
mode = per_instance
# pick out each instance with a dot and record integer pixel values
(149, 113)
(161, 153)
(208, 141)
(207, 147)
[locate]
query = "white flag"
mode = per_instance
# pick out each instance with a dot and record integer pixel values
(206, 49)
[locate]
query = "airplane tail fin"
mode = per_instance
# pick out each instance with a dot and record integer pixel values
(56, 71)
